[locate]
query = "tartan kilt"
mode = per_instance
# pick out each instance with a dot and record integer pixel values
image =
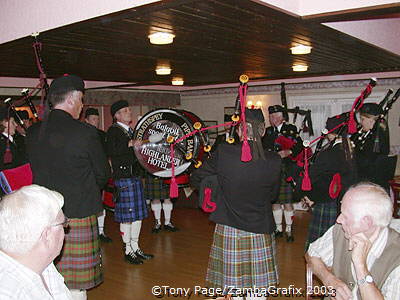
(80, 259)
(241, 259)
(130, 205)
(324, 215)
(285, 192)
(155, 188)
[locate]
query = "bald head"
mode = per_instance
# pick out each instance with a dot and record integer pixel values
(369, 199)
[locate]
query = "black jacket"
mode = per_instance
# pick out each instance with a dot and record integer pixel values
(123, 160)
(247, 188)
(328, 163)
(66, 155)
(17, 152)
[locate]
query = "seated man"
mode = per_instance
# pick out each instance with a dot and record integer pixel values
(359, 257)
(31, 237)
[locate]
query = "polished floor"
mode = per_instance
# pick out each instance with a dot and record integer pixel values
(181, 259)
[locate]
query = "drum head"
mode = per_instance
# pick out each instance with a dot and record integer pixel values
(153, 151)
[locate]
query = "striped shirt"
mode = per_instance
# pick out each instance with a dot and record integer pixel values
(20, 282)
(323, 248)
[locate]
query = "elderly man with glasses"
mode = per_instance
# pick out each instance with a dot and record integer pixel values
(31, 237)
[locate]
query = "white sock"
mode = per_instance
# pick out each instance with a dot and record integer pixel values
(278, 218)
(100, 221)
(135, 232)
(167, 208)
(156, 208)
(78, 294)
(125, 229)
(289, 219)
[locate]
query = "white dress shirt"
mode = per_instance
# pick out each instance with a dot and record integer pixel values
(20, 282)
(323, 248)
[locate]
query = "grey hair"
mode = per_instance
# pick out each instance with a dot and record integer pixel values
(372, 200)
(24, 214)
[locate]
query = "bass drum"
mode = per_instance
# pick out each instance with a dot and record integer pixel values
(153, 150)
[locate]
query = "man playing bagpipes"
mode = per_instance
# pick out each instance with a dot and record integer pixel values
(332, 173)
(372, 147)
(243, 251)
(283, 138)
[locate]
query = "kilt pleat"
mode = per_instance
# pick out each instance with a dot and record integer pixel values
(324, 215)
(155, 188)
(130, 206)
(80, 259)
(241, 259)
(285, 192)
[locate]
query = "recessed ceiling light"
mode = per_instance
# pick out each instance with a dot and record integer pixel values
(177, 81)
(300, 68)
(161, 38)
(163, 70)
(301, 49)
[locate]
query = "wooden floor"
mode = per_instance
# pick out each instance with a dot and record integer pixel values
(181, 258)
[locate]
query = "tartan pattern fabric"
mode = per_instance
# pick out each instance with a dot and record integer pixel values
(130, 205)
(80, 260)
(155, 188)
(285, 192)
(241, 259)
(324, 215)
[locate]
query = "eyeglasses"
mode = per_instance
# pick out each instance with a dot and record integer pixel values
(64, 224)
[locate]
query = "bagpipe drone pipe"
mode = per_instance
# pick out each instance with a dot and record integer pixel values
(12, 179)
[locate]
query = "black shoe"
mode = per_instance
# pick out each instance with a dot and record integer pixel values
(278, 234)
(289, 237)
(139, 253)
(104, 239)
(133, 259)
(170, 227)
(157, 228)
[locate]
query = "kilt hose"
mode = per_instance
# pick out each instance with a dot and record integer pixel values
(155, 188)
(80, 259)
(241, 259)
(130, 205)
(324, 215)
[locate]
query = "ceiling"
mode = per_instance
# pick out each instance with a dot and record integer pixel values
(216, 41)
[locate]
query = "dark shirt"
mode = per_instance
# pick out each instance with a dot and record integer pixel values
(247, 188)
(66, 155)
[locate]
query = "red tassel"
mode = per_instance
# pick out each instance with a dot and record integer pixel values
(352, 123)
(246, 151)
(173, 188)
(306, 184)
(208, 206)
(7, 156)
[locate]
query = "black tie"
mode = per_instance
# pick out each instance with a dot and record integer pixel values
(130, 131)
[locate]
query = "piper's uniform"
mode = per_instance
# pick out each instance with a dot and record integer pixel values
(373, 162)
(288, 166)
(66, 155)
(243, 251)
(332, 173)
(271, 141)
(130, 207)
